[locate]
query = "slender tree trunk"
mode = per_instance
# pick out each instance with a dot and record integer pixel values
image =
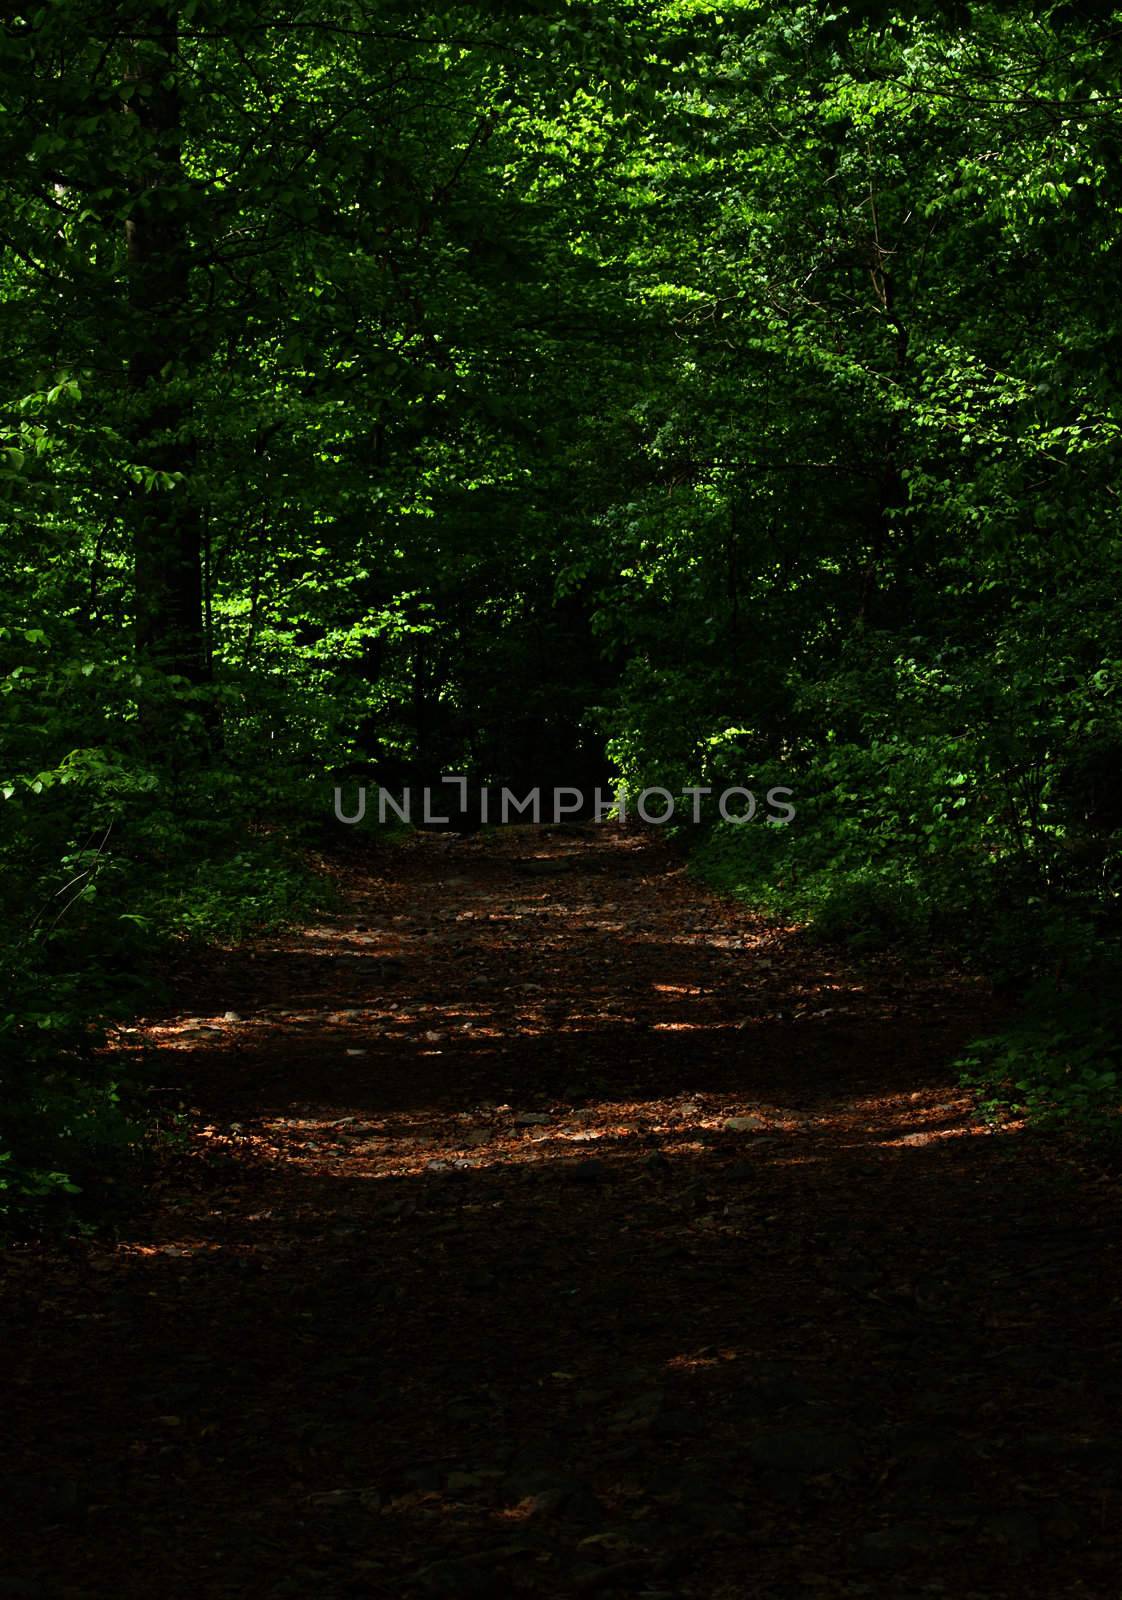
(892, 490)
(168, 527)
(733, 557)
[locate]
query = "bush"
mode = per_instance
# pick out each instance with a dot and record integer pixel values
(70, 1125)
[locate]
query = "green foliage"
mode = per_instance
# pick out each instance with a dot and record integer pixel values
(1061, 1058)
(65, 1137)
(97, 923)
(729, 394)
(871, 546)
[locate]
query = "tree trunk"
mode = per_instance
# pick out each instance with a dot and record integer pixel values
(167, 519)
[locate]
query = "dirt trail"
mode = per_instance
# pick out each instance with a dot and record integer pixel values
(550, 1227)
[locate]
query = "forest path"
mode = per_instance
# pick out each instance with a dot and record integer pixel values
(552, 1227)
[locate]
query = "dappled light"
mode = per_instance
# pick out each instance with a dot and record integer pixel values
(566, 1259)
(560, 800)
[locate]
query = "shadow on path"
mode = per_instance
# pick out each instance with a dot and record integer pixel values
(552, 1228)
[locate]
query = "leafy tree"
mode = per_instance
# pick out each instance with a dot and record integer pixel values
(726, 391)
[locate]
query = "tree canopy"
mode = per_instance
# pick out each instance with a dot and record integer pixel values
(663, 390)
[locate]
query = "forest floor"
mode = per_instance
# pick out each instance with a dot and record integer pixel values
(543, 1224)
